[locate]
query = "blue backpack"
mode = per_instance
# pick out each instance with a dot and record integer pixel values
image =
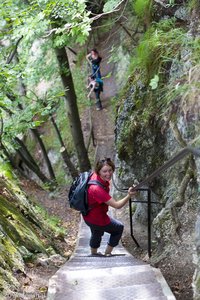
(77, 195)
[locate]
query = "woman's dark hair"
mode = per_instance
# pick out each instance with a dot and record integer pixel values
(102, 162)
(95, 51)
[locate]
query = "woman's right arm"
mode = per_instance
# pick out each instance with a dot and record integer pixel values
(88, 56)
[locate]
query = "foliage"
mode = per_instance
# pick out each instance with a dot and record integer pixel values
(158, 47)
(192, 4)
(141, 7)
(70, 19)
(110, 5)
(194, 46)
(27, 32)
(154, 82)
(165, 51)
(186, 88)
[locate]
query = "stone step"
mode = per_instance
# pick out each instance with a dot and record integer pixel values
(133, 282)
(134, 293)
(96, 291)
(119, 277)
(87, 262)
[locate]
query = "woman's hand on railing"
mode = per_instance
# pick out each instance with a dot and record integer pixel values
(132, 192)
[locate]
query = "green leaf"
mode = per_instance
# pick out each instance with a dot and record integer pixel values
(110, 5)
(154, 82)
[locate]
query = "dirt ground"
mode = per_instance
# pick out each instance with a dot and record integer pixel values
(34, 283)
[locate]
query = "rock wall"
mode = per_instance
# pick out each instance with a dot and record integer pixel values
(23, 234)
(156, 120)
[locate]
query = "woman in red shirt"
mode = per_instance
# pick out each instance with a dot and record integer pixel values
(99, 200)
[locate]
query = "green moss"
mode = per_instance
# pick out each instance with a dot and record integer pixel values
(144, 106)
(53, 222)
(63, 124)
(6, 170)
(192, 4)
(18, 227)
(7, 280)
(140, 6)
(10, 254)
(80, 78)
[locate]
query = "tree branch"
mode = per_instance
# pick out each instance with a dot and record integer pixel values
(67, 26)
(1, 131)
(12, 54)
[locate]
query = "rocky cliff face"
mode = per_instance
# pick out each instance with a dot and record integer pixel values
(158, 117)
(23, 234)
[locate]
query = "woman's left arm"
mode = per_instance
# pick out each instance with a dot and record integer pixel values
(92, 85)
(119, 204)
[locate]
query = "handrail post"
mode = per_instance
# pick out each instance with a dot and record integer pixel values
(93, 139)
(130, 217)
(131, 223)
(149, 221)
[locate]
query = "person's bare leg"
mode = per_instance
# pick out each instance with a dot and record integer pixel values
(108, 250)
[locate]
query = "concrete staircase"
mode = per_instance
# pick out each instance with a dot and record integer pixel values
(121, 276)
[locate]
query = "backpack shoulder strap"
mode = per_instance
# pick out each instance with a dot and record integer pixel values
(96, 182)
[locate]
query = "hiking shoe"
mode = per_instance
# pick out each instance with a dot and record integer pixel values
(109, 255)
(97, 254)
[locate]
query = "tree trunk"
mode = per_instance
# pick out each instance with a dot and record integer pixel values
(44, 152)
(25, 151)
(73, 114)
(64, 152)
(31, 163)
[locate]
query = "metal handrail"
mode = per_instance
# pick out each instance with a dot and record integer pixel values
(168, 164)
